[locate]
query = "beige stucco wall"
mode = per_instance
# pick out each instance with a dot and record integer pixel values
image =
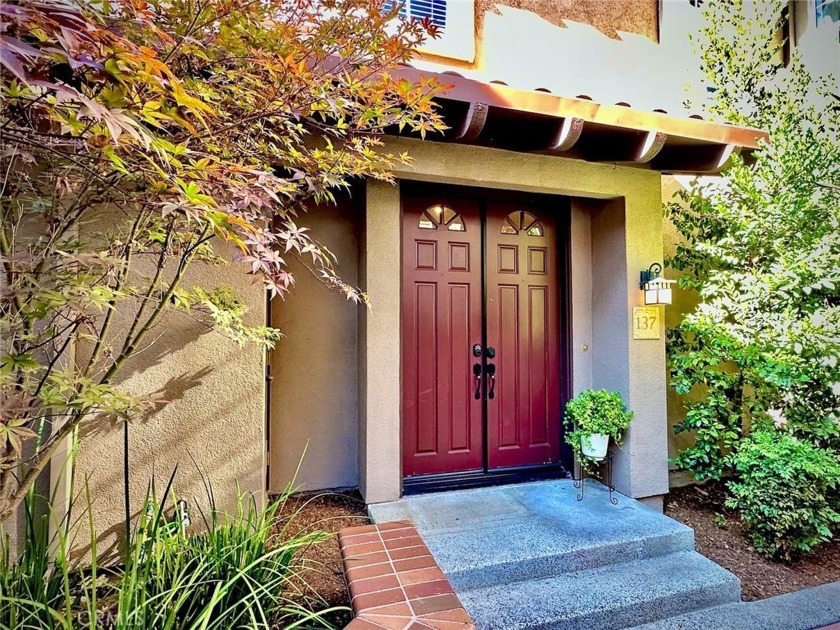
(380, 472)
(626, 239)
(211, 411)
(314, 388)
(609, 54)
(580, 234)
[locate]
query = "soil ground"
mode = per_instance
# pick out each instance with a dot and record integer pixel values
(721, 536)
(324, 574)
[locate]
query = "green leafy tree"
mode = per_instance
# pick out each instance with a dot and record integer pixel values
(762, 249)
(138, 137)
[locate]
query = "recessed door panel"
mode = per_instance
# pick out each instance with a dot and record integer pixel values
(523, 418)
(442, 419)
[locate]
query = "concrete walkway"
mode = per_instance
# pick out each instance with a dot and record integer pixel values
(532, 556)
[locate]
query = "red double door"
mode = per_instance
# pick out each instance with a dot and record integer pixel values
(480, 334)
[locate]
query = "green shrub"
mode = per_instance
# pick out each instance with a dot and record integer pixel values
(242, 571)
(788, 492)
(596, 411)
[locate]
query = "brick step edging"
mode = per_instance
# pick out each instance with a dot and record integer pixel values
(394, 581)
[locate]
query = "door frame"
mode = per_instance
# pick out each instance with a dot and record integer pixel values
(561, 208)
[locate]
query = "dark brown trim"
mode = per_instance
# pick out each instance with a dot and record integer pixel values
(564, 275)
(480, 478)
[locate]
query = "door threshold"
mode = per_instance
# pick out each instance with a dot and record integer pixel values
(441, 482)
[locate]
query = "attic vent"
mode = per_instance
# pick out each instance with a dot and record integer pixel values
(435, 10)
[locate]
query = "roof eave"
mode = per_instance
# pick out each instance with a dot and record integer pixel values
(504, 117)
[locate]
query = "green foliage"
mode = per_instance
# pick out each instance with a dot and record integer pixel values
(596, 411)
(243, 571)
(761, 247)
(788, 492)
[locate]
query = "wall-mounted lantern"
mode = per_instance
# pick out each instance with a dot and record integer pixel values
(657, 290)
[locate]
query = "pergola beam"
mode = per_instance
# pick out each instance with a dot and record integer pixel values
(473, 122)
(568, 133)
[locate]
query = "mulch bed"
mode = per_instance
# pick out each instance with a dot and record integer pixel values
(324, 576)
(720, 535)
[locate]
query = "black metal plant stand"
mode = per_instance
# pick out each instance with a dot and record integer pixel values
(580, 476)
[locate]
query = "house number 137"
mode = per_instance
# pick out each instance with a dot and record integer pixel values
(647, 322)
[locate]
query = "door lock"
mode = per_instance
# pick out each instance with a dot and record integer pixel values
(476, 350)
(477, 374)
(490, 371)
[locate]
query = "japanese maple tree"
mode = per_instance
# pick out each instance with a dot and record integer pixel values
(138, 136)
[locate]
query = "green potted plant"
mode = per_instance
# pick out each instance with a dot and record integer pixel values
(592, 418)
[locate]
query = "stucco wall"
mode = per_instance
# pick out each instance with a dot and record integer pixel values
(211, 411)
(634, 367)
(616, 230)
(314, 388)
(611, 52)
(380, 468)
(580, 282)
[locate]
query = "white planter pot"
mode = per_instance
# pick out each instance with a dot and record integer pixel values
(595, 446)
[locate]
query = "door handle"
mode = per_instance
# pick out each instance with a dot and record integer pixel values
(491, 375)
(477, 374)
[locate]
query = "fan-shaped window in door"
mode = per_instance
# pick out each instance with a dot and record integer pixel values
(521, 221)
(440, 215)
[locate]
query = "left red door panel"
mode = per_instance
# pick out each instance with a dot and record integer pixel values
(442, 306)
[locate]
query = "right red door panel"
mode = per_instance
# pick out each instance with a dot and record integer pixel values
(523, 414)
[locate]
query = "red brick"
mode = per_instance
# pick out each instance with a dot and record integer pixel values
(398, 533)
(374, 584)
(345, 541)
(399, 543)
(368, 571)
(389, 622)
(384, 527)
(395, 583)
(438, 603)
(355, 531)
(366, 560)
(382, 598)
(452, 624)
(410, 564)
(409, 552)
(456, 614)
(429, 574)
(427, 589)
(352, 551)
(400, 609)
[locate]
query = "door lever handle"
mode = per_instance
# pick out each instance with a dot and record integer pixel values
(477, 374)
(491, 374)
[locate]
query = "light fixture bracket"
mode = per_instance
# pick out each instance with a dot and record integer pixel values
(651, 273)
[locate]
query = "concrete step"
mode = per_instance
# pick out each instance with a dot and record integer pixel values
(610, 597)
(499, 535)
(532, 548)
(809, 608)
